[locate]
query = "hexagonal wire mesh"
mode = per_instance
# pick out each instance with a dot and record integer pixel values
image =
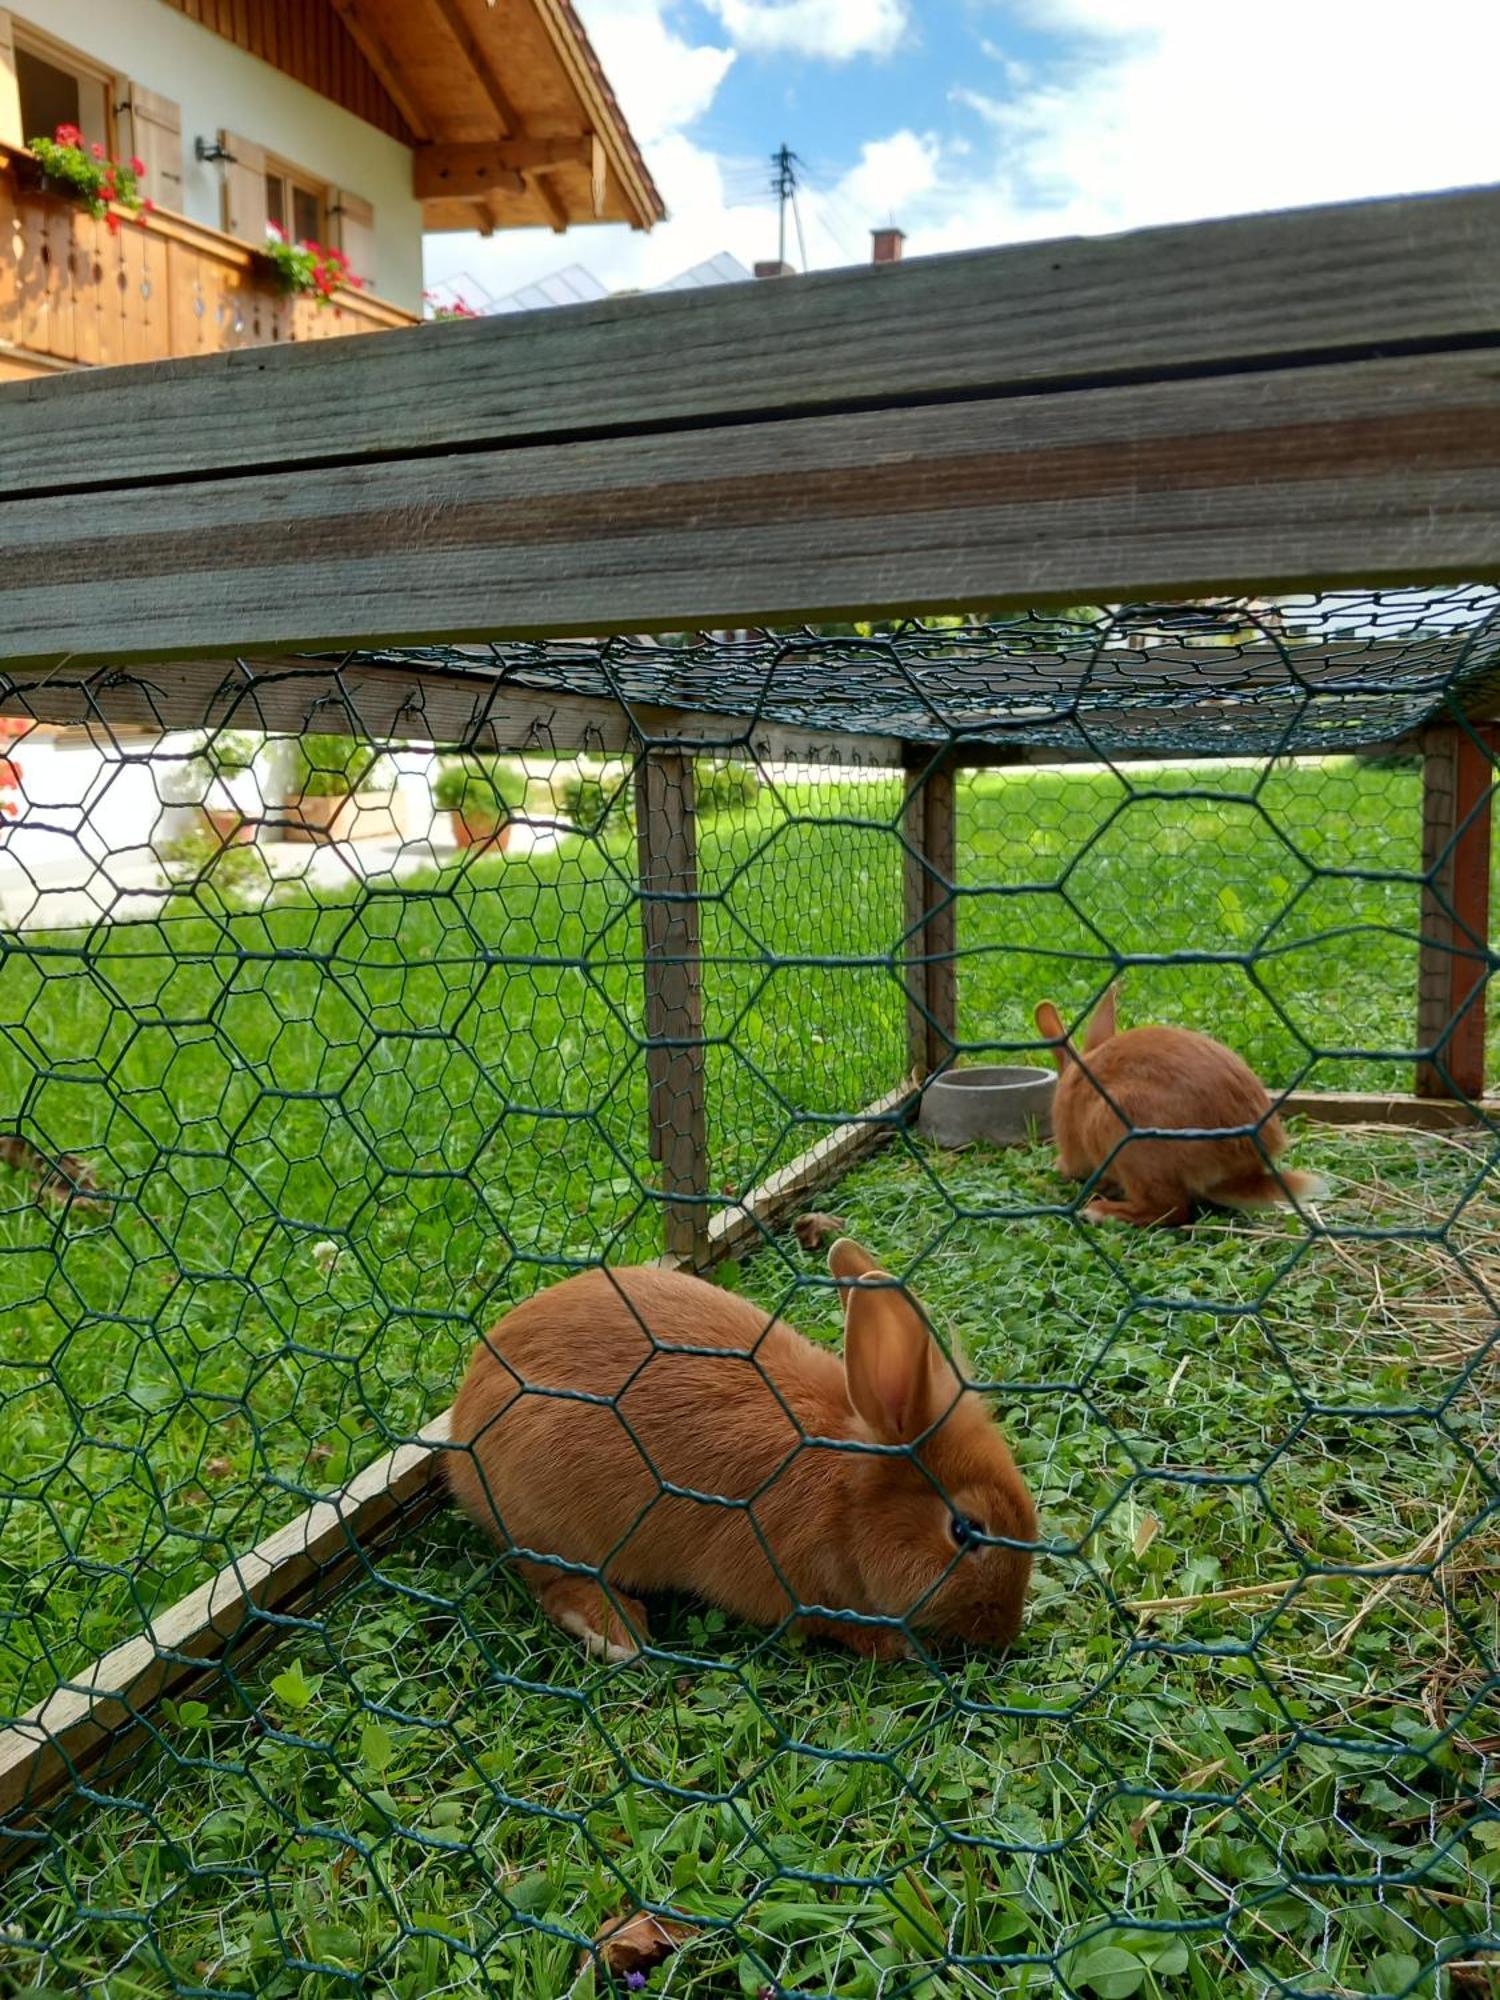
(293, 1119)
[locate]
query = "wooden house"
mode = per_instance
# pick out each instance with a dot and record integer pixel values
(355, 124)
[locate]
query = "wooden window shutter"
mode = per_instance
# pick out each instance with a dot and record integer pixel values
(156, 138)
(353, 232)
(244, 188)
(10, 88)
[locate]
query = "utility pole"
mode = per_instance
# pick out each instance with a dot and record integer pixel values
(784, 163)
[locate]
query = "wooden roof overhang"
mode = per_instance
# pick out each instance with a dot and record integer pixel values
(510, 117)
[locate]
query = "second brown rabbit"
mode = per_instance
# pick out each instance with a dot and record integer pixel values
(1164, 1080)
(638, 1430)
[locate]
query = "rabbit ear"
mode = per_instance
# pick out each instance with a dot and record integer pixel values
(848, 1259)
(891, 1362)
(1049, 1023)
(1103, 1024)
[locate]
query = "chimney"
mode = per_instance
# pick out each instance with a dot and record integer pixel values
(772, 267)
(885, 246)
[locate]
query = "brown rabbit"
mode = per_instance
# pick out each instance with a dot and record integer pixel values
(665, 1436)
(1163, 1079)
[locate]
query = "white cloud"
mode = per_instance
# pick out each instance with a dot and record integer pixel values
(663, 82)
(1173, 109)
(890, 174)
(832, 29)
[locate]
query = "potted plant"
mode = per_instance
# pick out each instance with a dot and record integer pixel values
(339, 788)
(472, 792)
(308, 267)
(87, 174)
(198, 777)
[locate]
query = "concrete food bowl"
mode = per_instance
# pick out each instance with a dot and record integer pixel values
(992, 1105)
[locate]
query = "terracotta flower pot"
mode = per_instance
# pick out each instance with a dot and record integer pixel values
(356, 816)
(482, 833)
(230, 827)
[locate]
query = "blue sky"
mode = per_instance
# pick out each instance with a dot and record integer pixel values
(973, 122)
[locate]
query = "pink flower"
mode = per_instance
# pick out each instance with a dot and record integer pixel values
(137, 166)
(68, 135)
(147, 205)
(97, 150)
(276, 233)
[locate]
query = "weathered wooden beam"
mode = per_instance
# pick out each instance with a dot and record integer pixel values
(942, 922)
(1373, 1107)
(666, 842)
(1458, 776)
(1220, 297)
(929, 927)
(406, 701)
(67, 1737)
(1353, 473)
(460, 171)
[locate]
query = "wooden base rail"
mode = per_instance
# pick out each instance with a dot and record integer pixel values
(99, 1716)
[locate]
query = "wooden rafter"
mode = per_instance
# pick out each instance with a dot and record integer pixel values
(478, 59)
(371, 44)
(552, 201)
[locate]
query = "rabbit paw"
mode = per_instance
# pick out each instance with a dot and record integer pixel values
(1145, 1212)
(814, 1230)
(871, 1642)
(597, 1617)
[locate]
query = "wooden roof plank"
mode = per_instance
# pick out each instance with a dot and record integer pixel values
(1268, 290)
(1349, 473)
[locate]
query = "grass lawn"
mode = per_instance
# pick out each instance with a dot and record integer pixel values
(426, 1788)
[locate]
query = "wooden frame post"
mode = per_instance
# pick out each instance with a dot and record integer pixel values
(667, 846)
(1453, 967)
(930, 925)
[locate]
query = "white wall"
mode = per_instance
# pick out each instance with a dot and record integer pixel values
(217, 86)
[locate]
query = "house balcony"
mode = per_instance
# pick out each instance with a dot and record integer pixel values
(74, 295)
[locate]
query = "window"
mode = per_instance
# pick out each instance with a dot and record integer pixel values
(297, 204)
(57, 87)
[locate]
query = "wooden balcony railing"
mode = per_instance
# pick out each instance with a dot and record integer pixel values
(73, 294)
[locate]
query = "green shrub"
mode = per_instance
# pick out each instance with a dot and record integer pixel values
(190, 777)
(213, 878)
(595, 804)
(476, 788)
(598, 804)
(333, 767)
(724, 788)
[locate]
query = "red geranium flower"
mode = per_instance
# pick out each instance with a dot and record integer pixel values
(137, 165)
(97, 150)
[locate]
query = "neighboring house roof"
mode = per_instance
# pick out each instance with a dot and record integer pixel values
(574, 286)
(509, 114)
(721, 270)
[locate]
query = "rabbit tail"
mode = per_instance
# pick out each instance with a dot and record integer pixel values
(1263, 1190)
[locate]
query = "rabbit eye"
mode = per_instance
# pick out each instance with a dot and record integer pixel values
(964, 1531)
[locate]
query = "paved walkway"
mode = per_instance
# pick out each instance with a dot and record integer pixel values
(76, 891)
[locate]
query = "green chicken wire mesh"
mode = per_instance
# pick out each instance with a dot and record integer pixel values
(306, 1084)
